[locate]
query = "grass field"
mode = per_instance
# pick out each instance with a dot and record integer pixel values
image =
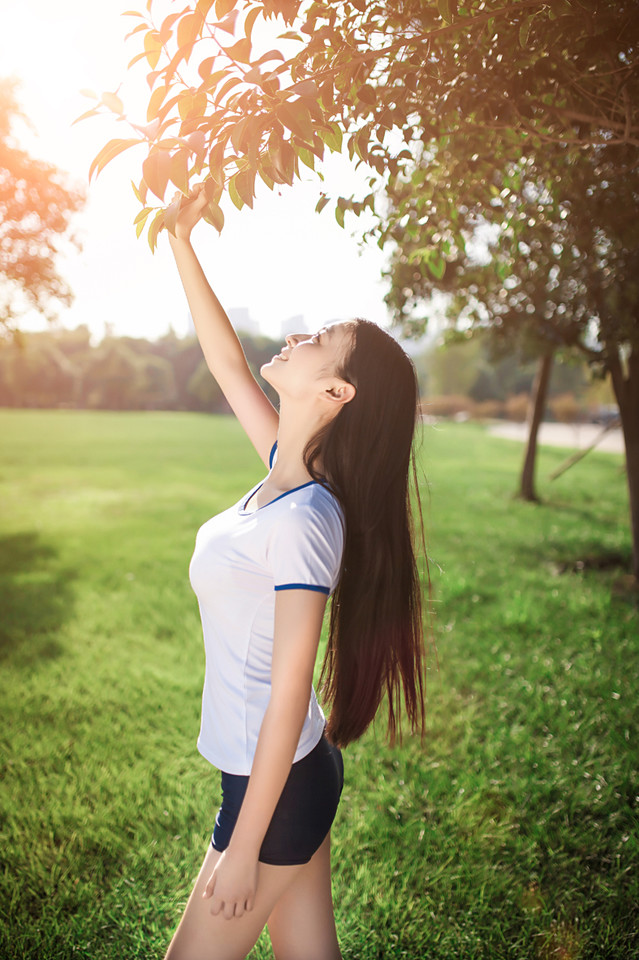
(511, 833)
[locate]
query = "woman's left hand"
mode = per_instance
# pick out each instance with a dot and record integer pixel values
(233, 884)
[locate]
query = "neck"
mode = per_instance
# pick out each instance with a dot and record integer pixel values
(297, 426)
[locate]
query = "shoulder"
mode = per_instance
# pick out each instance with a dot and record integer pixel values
(311, 512)
(316, 503)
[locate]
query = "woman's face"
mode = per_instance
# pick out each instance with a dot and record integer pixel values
(308, 364)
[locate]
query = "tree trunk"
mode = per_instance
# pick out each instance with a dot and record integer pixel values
(535, 414)
(626, 386)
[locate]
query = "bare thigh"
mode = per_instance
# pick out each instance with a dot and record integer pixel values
(203, 936)
(302, 924)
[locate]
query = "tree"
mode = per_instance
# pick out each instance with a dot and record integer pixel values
(36, 206)
(437, 101)
(223, 108)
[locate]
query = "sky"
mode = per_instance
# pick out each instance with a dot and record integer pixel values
(279, 260)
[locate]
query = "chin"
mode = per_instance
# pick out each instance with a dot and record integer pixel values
(266, 371)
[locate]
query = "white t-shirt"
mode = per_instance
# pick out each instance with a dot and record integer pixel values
(241, 558)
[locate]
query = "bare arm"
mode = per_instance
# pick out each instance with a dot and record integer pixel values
(298, 623)
(220, 344)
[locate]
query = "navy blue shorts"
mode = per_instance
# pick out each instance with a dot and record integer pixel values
(304, 813)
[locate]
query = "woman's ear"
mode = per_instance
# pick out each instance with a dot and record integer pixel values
(341, 392)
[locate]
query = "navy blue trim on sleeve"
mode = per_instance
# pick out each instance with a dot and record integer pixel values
(272, 454)
(303, 586)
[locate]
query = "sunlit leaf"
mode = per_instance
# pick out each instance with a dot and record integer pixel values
(306, 157)
(305, 88)
(143, 214)
(205, 67)
(269, 55)
(224, 89)
(228, 23)
(152, 47)
(157, 99)
(136, 58)
(157, 170)
(113, 102)
(222, 7)
(93, 112)
(296, 117)
(240, 51)
(234, 193)
(179, 174)
(245, 182)
(250, 21)
(321, 203)
(188, 31)
(90, 94)
(140, 26)
(108, 152)
(213, 215)
(203, 7)
(447, 9)
(156, 225)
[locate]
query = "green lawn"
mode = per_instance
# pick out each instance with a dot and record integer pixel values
(511, 832)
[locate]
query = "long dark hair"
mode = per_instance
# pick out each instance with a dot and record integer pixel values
(365, 454)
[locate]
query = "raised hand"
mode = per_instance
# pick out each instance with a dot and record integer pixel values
(190, 210)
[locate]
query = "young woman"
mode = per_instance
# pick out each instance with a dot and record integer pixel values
(332, 517)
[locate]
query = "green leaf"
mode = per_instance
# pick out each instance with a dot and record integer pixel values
(321, 203)
(332, 137)
(339, 215)
(524, 30)
(437, 266)
(143, 214)
(213, 215)
(234, 194)
(306, 157)
(156, 225)
(447, 9)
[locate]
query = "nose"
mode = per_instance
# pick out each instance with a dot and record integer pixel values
(294, 338)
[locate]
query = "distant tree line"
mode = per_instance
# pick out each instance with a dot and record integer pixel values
(63, 369)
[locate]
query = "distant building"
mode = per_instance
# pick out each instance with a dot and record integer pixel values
(294, 324)
(242, 321)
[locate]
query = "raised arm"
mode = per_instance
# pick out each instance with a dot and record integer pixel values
(220, 344)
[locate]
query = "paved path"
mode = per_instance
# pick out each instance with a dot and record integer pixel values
(572, 435)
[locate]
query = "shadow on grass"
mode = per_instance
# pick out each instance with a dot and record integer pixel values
(36, 599)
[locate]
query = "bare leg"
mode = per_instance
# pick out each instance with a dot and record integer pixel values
(202, 936)
(302, 924)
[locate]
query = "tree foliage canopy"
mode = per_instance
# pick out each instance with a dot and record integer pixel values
(36, 205)
(231, 99)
